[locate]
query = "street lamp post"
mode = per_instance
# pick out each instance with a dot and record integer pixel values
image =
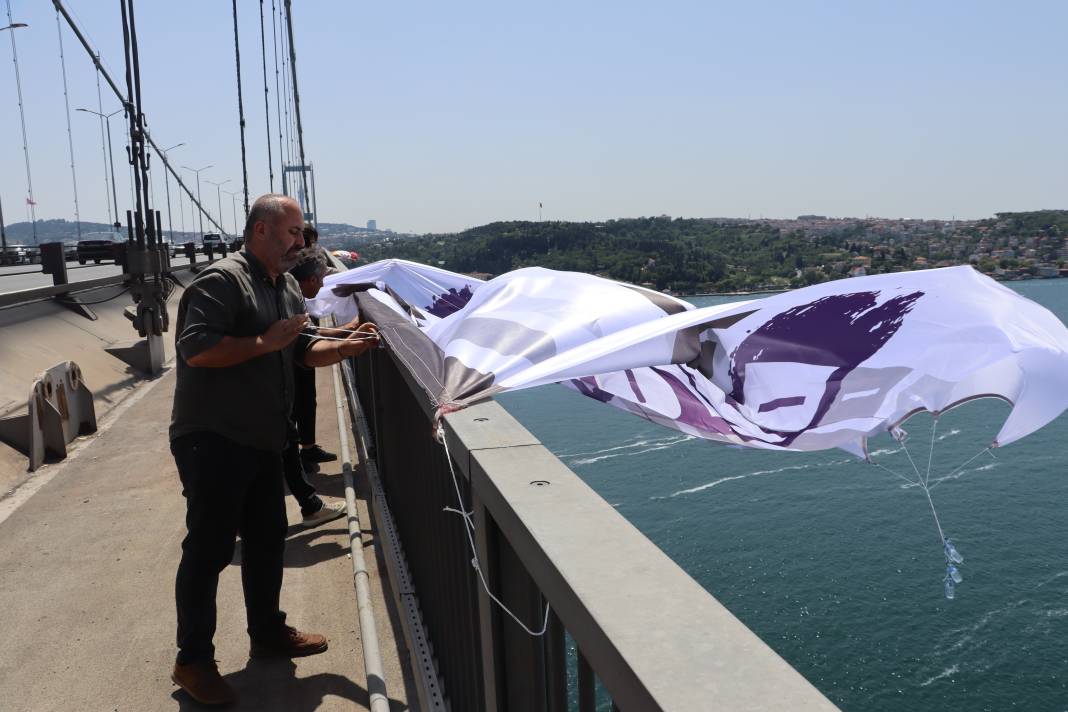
(167, 185)
(199, 203)
(111, 159)
(218, 195)
(233, 203)
(3, 238)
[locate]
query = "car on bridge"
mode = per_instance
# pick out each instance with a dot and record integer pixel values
(213, 241)
(20, 254)
(97, 250)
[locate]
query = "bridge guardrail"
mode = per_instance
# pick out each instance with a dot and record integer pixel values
(28, 296)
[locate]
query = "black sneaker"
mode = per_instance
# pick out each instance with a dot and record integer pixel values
(316, 454)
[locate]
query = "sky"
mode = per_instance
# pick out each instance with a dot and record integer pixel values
(436, 117)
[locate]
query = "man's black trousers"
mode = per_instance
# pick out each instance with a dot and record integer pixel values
(304, 403)
(230, 489)
(297, 481)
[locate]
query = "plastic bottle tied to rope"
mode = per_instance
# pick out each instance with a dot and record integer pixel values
(952, 554)
(953, 575)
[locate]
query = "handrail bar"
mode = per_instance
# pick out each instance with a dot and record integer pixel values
(27, 296)
(372, 659)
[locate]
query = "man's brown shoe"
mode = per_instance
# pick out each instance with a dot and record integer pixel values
(288, 642)
(203, 683)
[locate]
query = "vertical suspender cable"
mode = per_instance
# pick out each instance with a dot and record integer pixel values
(292, 132)
(140, 202)
(277, 94)
(240, 110)
(143, 135)
(266, 99)
(70, 138)
(30, 203)
(286, 94)
(296, 99)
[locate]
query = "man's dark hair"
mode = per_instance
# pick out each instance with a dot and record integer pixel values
(268, 208)
(310, 264)
(311, 235)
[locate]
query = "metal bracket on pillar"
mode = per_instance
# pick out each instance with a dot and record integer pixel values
(60, 408)
(148, 267)
(75, 305)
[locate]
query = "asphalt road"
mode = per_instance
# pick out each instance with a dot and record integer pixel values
(15, 278)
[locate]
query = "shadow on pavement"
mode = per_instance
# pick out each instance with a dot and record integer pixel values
(273, 685)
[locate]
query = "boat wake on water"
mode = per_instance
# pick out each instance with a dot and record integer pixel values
(638, 447)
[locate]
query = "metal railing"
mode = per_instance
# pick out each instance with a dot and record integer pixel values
(625, 625)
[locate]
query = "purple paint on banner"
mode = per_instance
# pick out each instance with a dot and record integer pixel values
(450, 302)
(840, 330)
(781, 403)
(633, 381)
(587, 386)
(692, 411)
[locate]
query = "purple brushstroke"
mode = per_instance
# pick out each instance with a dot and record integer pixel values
(781, 403)
(450, 302)
(588, 387)
(692, 411)
(633, 381)
(840, 330)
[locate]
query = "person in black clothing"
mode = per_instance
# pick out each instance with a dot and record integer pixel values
(304, 403)
(240, 326)
(309, 273)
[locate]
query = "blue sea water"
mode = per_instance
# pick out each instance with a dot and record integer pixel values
(837, 564)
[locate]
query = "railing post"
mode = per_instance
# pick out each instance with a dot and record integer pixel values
(523, 658)
(488, 614)
(556, 664)
(587, 685)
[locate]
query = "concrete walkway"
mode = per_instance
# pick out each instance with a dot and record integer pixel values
(87, 570)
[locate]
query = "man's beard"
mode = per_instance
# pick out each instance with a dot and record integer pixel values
(290, 259)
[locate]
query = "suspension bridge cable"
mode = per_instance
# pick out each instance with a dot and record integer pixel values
(30, 202)
(285, 92)
(240, 109)
(266, 99)
(292, 107)
(70, 136)
(277, 93)
(136, 226)
(296, 100)
(95, 56)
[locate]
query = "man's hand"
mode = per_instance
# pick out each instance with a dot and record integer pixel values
(232, 350)
(282, 333)
(362, 339)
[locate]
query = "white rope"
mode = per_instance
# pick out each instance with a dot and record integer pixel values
(350, 339)
(895, 474)
(469, 529)
(926, 491)
(960, 467)
(930, 451)
(316, 327)
(911, 461)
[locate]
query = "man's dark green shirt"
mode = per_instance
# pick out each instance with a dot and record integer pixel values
(249, 403)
